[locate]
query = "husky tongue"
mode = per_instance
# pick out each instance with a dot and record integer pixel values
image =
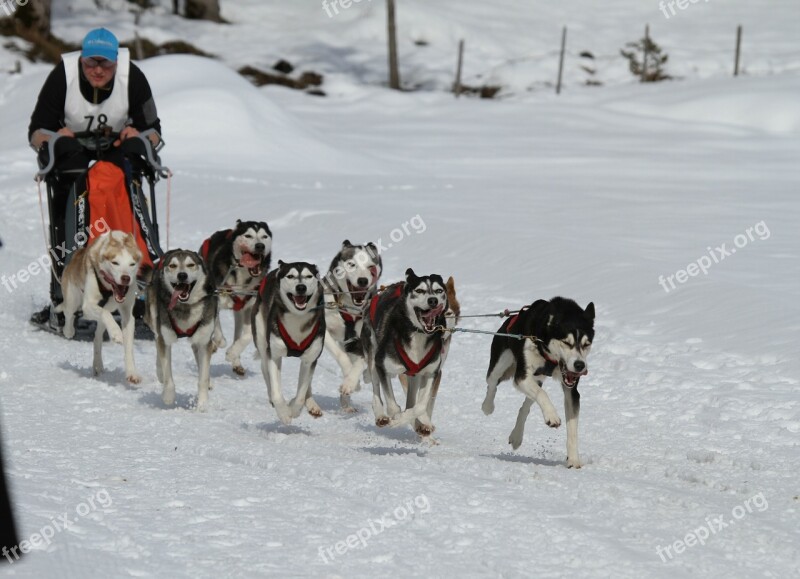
(176, 295)
(249, 261)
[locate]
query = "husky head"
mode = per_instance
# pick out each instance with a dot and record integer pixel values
(426, 300)
(182, 272)
(299, 285)
(569, 332)
(355, 271)
(252, 244)
(117, 259)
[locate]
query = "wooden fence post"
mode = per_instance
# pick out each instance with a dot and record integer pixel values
(457, 83)
(561, 59)
(394, 71)
(738, 50)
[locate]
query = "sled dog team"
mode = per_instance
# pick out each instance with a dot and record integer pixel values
(373, 332)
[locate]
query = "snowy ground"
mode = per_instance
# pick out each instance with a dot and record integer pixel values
(690, 410)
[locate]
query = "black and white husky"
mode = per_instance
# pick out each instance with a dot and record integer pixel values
(350, 284)
(289, 321)
(237, 260)
(400, 336)
(182, 303)
(561, 338)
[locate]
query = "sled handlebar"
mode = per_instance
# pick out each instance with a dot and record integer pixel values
(108, 138)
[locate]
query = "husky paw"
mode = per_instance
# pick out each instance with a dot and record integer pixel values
(424, 429)
(238, 369)
(381, 421)
(552, 420)
(284, 414)
(574, 463)
(133, 378)
(69, 333)
(115, 334)
(487, 407)
(168, 397)
(313, 408)
(202, 404)
(98, 369)
(515, 439)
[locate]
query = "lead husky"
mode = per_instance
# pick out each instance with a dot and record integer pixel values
(562, 338)
(237, 261)
(99, 280)
(350, 284)
(181, 303)
(401, 337)
(289, 321)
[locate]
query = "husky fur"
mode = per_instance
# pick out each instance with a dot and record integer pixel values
(181, 302)
(289, 321)
(401, 336)
(350, 284)
(237, 261)
(452, 315)
(99, 280)
(563, 334)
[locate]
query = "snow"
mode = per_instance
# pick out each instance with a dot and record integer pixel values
(690, 409)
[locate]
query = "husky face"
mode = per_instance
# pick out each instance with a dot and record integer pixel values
(299, 285)
(571, 331)
(118, 261)
(426, 300)
(182, 272)
(252, 243)
(356, 270)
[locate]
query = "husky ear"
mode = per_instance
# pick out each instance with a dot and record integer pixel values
(590, 310)
(238, 222)
(410, 275)
(346, 243)
(373, 247)
(280, 262)
(451, 284)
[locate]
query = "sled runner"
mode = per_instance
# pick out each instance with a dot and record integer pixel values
(108, 195)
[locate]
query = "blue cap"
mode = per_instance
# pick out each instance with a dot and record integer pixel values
(100, 43)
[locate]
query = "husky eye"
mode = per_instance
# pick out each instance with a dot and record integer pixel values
(173, 266)
(132, 264)
(290, 276)
(248, 236)
(191, 265)
(114, 263)
(439, 291)
(419, 291)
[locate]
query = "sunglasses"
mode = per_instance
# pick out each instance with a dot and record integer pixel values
(94, 63)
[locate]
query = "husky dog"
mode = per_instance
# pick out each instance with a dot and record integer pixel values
(561, 338)
(452, 315)
(181, 303)
(237, 261)
(401, 336)
(350, 284)
(289, 321)
(99, 280)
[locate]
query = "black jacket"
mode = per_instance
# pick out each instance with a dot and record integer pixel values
(49, 111)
